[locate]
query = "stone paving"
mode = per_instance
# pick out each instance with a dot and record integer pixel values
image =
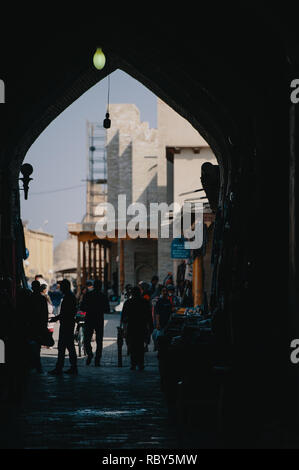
(106, 407)
(109, 358)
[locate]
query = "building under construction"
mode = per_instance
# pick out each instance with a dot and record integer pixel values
(96, 187)
(93, 259)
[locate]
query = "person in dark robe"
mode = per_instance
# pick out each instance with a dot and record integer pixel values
(163, 310)
(37, 324)
(66, 317)
(95, 303)
(138, 317)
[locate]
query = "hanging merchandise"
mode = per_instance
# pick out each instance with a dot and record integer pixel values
(168, 279)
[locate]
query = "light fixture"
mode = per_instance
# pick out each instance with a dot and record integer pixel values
(26, 170)
(99, 59)
(107, 120)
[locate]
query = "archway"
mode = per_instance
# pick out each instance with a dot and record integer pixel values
(144, 271)
(227, 100)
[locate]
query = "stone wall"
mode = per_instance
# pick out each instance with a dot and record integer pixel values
(40, 260)
(137, 168)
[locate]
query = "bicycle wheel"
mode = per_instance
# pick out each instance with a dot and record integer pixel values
(81, 342)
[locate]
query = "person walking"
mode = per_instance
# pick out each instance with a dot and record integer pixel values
(154, 285)
(144, 289)
(66, 317)
(163, 310)
(137, 315)
(40, 279)
(37, 324)
(145, 294)
(44, 292)
(81, 294)
(154, 300)
(95, 303)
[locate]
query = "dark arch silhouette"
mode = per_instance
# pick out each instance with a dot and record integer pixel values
(229, 76)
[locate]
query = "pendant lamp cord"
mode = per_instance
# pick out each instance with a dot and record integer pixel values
(108, 93)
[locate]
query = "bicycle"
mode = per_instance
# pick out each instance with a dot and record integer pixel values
(79, 333)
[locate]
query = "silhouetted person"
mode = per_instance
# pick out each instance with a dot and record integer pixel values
(40, 279)
(137, 315)
(187, 300)
(37, 324)
(56, 297)
(163, 310)
(67, 315)
(174, 299)
(153, 286)
(95, 304)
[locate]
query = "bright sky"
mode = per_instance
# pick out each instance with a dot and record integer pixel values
(58, 156)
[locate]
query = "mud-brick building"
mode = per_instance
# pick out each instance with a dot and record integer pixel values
(40, 254)
(146, 165)
(152, 165)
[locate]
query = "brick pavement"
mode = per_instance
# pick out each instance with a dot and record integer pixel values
(102, 408)
(109, 358)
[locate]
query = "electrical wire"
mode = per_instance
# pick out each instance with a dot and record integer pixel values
(108, 98)
(57, 190)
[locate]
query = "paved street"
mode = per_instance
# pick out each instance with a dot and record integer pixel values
(105, 407)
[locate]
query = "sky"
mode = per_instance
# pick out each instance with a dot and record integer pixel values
(58, 156)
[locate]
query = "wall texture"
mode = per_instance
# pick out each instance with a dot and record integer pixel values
(137, 168)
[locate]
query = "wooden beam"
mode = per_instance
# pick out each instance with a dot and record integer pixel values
(109, 264)
(78, 265)
(91, 236)
(174, 150)
(94, 246)
(89, 259)
(105, 268)
(100, 261)
(197, 284)
(84, 264)
(121, 265)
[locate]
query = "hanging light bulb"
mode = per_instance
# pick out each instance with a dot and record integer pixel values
(99, 59)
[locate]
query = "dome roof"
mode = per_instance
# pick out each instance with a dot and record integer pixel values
(65, 255)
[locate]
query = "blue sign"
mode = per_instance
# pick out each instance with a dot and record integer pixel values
(26, 253)
(178, 250)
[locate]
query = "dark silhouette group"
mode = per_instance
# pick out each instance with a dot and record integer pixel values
(146, 310)
(66, 317)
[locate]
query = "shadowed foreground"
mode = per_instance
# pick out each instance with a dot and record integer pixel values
(105, 407)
